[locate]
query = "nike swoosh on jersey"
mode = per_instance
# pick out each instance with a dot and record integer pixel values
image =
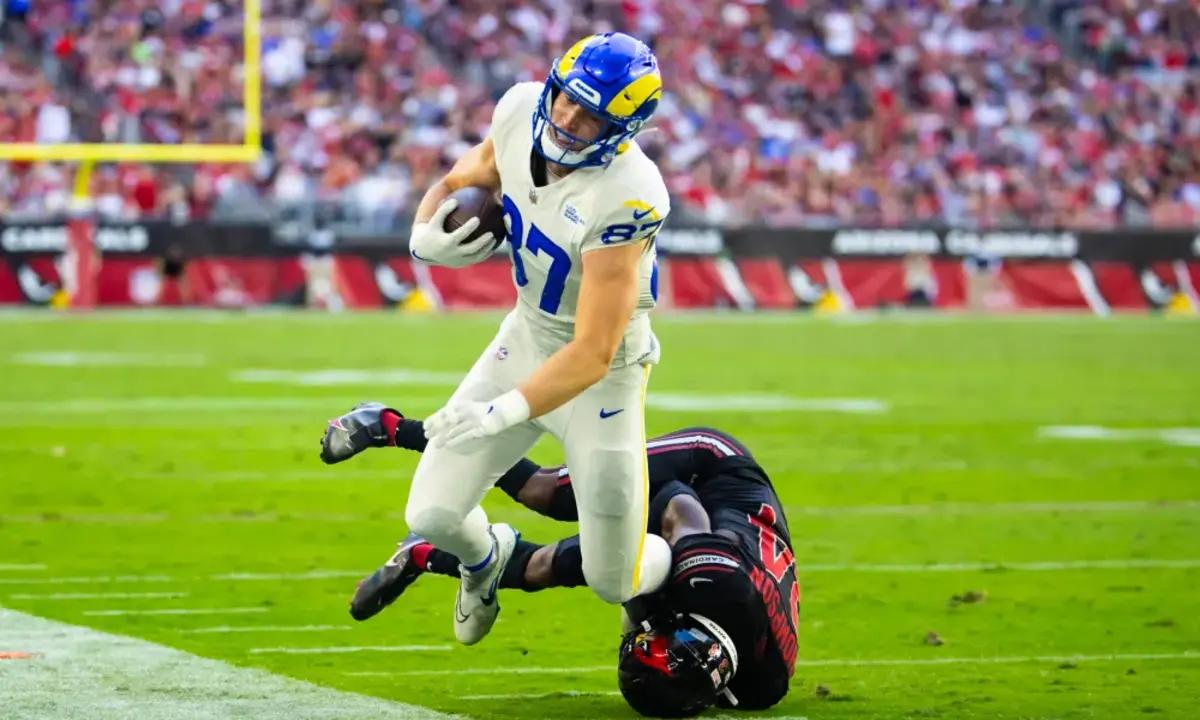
(695, 580)
(604, 415)
(639, 215)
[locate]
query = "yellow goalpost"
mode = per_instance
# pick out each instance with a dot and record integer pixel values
(248, 151)
(82, 263)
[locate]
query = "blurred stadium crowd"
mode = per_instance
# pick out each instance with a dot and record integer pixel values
(1075, 113)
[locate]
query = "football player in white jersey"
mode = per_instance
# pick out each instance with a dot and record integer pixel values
(582, 204)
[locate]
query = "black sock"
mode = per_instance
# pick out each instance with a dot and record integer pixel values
(514, 573)
(512, 481)
(410, 434)
(567, 565)
(441, 562)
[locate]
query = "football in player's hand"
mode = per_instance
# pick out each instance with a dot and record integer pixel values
(481, 203)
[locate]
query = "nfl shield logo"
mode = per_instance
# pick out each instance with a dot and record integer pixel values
(533, 195)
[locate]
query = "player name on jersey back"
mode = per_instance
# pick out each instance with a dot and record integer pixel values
(553, 226)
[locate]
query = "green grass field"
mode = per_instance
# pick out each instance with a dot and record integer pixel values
(139, 448)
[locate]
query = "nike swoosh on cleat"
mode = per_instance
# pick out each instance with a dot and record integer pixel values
(604, 415)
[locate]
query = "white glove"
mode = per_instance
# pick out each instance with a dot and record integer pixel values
(431, 243)
(459, 426)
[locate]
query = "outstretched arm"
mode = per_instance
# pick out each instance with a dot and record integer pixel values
(546, 491)
(608, 297)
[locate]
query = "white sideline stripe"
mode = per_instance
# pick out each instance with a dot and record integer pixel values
(678, 402)
(346, 649)
(106, 359)
(948, 508)
(225, 629)
(311, 575)
(1087, 286)
(1182, 436)
(531, 696)
(348, 376)
(84, 579)
(499, 670)
(1050, 565)
(6, 567)
(999, 660)
(192, 404)
(178, 611)
(749, 402)
(999, 566)
(98, 596)
(78, 672)
(89, 518)
(1014, 508)
(827, 662)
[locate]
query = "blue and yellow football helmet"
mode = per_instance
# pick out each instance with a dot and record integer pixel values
(615, 76)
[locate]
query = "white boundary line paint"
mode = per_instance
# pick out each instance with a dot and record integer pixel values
(998, 660)
(85, 579)
(498, 670)
(997, 565)
(8, 567)
(177, 611)
(1087, 287)
(310, 575)
(829, 662)
(99, 596)
(936, 509)
(83, 406)
(80, 672)
(1000, 566)
(750, 402)
(533, 696)
(679, 402)
(347, 649)
(347, 376)
(84, 358)
(89, 518)
(1012, 508)
(228, 629)
(1181, 436)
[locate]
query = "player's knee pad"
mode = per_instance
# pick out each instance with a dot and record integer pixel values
(433, 522)
(613, 485)
(611, 585)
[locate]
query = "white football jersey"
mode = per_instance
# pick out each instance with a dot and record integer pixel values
(553, 226)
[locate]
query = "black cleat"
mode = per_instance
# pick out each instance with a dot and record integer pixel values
(382, 587)
(357, 430)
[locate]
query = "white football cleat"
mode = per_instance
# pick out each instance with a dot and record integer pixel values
(476, 607)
